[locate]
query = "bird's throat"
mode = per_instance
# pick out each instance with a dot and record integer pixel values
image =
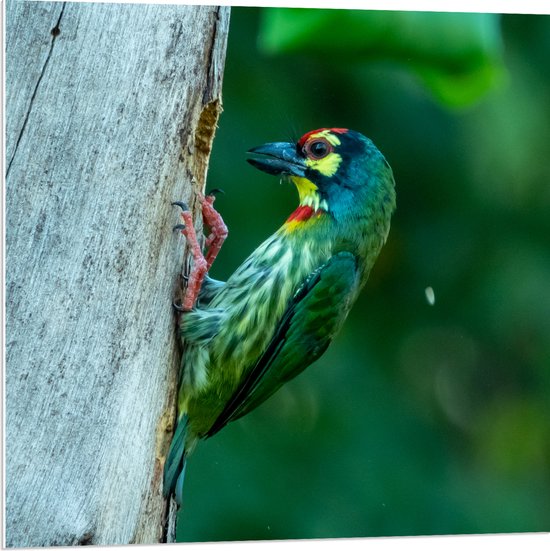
(311, 206)
(307, 190)
(309, 194)
(305, 215)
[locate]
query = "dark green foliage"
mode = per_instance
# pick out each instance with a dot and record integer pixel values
(458, 56)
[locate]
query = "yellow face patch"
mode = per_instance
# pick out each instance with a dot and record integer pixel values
(327, 166)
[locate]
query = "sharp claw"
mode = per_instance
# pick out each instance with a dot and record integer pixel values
(215, 191)
(177, 306)
(179, 227)
(180, 204)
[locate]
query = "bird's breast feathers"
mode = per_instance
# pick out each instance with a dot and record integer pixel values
(258, 293)
(253, 301)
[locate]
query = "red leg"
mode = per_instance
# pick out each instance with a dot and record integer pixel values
(214, 242)
(200, 267)
(218, 229)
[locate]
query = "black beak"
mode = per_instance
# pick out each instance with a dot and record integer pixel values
(281, 158)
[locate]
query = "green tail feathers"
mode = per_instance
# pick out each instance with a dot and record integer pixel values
(174, 468)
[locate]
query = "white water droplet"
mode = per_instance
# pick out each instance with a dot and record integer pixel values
(430, 295)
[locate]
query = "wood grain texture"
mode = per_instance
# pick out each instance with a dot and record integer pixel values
(108, 121)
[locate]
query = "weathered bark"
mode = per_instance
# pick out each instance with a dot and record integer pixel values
(111, 111)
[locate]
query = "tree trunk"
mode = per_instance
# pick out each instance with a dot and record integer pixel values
(111, 111)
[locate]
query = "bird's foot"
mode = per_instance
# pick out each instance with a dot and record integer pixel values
(214, 242)
(218, 230)
(200, 267)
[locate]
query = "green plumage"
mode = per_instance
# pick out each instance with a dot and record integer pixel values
(282, 307)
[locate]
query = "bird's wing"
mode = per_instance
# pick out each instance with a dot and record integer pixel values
(312, 318)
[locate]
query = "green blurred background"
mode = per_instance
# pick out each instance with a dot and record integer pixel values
(420, 419)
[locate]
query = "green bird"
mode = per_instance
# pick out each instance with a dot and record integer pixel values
(243, 339)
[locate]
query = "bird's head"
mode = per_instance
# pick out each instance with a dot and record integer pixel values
(334, 169)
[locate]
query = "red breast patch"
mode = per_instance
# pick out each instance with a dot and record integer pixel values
(302, 213)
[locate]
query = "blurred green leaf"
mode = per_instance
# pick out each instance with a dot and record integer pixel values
(513, 436)
(458, 56)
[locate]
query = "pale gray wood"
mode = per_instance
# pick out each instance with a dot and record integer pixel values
(32, 56)
(107, 123)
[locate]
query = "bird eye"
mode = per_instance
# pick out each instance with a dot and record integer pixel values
(317, 149)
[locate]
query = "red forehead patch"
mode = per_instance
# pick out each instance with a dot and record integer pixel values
(305, 137)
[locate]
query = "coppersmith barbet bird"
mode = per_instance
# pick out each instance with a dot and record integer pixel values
(282, 307)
